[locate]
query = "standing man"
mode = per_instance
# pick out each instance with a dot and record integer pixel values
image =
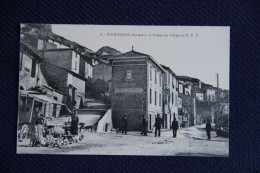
(208, 129)
(175, 127)
(144, 126)
(74, 123)
(158, 123)
(124, 124)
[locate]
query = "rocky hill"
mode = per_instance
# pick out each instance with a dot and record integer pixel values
(106, 50)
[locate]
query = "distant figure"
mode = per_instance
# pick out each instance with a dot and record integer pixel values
(144, 126)
(208, 129)
(175, 127)
(124, 124)
(158, 123)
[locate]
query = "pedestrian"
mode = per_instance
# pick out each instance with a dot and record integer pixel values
(124, 124)
(144, 126)
(37, 130)
(208, 129)
(175, 127)
(74, 123)
(158, 123)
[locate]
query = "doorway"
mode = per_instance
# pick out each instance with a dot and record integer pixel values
(54, 110)
(165, 120)
(150, 122)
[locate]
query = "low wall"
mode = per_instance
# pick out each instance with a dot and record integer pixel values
(105, 121)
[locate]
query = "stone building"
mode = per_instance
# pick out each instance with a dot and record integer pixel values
(136, 89)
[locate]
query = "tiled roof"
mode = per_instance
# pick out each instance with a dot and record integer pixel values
(132, 54)
(168, 68)
(77, 47)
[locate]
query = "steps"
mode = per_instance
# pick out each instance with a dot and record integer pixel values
(91, 111)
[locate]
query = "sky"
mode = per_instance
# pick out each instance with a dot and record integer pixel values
(196, 51)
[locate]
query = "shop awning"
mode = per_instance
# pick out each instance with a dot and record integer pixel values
(44, 98)
(40, 97)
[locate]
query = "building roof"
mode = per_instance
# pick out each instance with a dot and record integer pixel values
(25, 47)
(72, 45)
(134, 54)
(187, 78)
(204, 85)
(169, 69)
(77, 47)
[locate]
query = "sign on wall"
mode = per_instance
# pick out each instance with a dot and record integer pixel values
(128, 90)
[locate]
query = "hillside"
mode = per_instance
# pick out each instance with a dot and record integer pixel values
(106, 50)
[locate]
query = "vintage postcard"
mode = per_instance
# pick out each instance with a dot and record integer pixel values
(124, 90)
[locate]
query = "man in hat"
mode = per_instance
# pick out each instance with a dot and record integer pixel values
(124, 124)
(208, 129)
(158, 123)
(74, 123)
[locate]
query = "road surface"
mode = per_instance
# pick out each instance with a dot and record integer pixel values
(189, 142)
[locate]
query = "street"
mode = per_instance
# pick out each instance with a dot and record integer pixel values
(189, 142)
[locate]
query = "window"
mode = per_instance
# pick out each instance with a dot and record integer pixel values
(33, 72)
(155, 76)
(172, 98)
(150, 121)
(169, 75)
(76, 65)
(151, 75)
(160, 99)
(160, 80)
(21, 62)
(172, 82)
(155, 99)
(150, 96)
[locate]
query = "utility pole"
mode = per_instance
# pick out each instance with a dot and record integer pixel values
(217, 100)
(217, 87)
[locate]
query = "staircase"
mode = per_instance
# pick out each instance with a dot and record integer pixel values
(91, 111)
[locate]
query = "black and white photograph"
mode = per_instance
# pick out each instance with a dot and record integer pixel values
(123, 90)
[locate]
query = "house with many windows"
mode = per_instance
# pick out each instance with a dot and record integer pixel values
(68, 72)
(170, 97)
(33, 88)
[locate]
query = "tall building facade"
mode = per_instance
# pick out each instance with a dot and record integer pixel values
(136, 89)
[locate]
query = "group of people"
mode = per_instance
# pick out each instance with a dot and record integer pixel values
(158, 124)
(38, 121)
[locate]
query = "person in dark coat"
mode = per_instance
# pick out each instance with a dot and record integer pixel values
(144, 126)
(175, 127)
(124, 124)
(74, 123)
(208, 129)
(158, 123)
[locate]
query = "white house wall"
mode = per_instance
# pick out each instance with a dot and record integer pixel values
(75, 62)
(153, 109)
